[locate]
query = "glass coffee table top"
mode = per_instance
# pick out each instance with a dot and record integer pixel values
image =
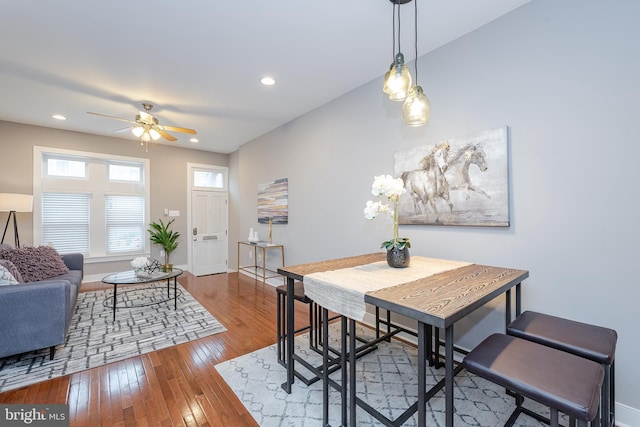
(130, 277)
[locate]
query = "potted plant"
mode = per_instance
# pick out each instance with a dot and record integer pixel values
(163, 236)
(387, 187)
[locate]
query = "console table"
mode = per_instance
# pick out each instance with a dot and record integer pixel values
(262, 248)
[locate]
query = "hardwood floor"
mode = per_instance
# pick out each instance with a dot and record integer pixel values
(177, 386)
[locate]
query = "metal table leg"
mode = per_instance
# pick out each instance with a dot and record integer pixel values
(290, 336)
(422, 380)
(448, 372)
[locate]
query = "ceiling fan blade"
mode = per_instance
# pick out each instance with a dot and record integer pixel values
(166, 135)
(178, 129)
(121, 130)
(111, 117)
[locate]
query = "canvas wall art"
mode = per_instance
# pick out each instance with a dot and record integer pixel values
(460, 181)
(273, 202)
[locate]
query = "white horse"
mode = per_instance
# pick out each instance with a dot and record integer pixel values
(426, 184)
(457, 172)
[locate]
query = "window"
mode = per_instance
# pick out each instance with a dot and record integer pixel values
(65, 221)
(208, 179)
(125, 224)
(91, 203)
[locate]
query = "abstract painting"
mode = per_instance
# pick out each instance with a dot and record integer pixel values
(273, 202)
(460, 181)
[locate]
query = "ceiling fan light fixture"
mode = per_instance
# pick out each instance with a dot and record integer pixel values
(137, 131)
(155, 135)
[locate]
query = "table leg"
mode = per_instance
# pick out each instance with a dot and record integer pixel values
(518, 300)
(448, 372)
(175, 293)
(343, 368)
(115, 291)
(422, 380)
(325, 366)
(352, 372)
(290, 336)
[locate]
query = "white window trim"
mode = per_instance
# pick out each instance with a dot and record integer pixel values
(38, 152)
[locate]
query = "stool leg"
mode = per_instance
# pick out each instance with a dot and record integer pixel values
(604, 399)
(279, 328)
(554, 418)
(612, 402)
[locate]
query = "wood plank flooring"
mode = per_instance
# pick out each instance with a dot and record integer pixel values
(177, 386)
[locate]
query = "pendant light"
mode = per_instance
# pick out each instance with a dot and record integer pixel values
(416, 108)
(397, 81)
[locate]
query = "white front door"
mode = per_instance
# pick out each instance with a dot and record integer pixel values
(208, 251)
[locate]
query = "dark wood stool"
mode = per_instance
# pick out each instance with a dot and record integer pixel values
(562, 381)
(588, 341)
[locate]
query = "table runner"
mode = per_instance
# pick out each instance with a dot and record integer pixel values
(342, 291)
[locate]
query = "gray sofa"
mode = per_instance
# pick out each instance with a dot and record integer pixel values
(37, 315)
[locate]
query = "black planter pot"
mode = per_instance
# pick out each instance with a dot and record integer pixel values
(398, 258)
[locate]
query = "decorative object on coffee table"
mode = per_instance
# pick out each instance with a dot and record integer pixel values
(385, 186)
(163, 236)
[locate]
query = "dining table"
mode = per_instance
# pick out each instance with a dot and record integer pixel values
(436, 293)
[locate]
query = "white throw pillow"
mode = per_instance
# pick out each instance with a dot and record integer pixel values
(6, 278)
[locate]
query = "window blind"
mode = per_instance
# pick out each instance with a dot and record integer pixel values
(65, 221)
(125, 223)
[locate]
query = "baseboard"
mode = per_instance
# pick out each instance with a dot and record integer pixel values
(274, 281)
(626, 416)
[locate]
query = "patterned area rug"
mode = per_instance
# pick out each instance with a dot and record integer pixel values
(95, 339)
(387, 380)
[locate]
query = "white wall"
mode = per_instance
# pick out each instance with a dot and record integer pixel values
(564, 77)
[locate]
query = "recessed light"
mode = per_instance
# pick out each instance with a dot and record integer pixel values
(268, 81)
(194, 140)
(58, 117)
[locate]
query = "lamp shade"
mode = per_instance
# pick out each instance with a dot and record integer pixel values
(16, 202)
(417, 108)
(138, 131)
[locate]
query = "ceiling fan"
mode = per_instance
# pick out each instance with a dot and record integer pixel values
(147, 128)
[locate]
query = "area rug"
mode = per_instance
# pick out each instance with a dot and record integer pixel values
(95, 339)
(387, 380)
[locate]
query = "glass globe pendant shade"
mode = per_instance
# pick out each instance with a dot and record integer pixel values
(145, 137)
(417, 108)
(399, 80)
(137, 131)
(385, 87)
(154, 134)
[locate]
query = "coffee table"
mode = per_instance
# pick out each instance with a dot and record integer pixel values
(130, 277)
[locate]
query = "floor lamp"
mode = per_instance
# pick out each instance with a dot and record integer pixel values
(12, 203)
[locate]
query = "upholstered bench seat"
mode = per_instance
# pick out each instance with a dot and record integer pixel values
(557, 379)
(582, 339)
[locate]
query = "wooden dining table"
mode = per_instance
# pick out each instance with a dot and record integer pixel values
(434, 300)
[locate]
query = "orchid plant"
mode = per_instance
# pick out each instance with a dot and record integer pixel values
(389, 188)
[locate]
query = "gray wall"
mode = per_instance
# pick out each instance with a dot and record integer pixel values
(564, 77)
(168, 177)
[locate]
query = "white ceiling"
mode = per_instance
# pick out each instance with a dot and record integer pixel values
(199, 62)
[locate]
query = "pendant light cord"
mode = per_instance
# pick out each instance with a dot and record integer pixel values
(416, 29)
(398, 9)
(393, 26)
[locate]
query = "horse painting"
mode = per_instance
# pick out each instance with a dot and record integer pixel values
(428, 183)
(461, 181)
